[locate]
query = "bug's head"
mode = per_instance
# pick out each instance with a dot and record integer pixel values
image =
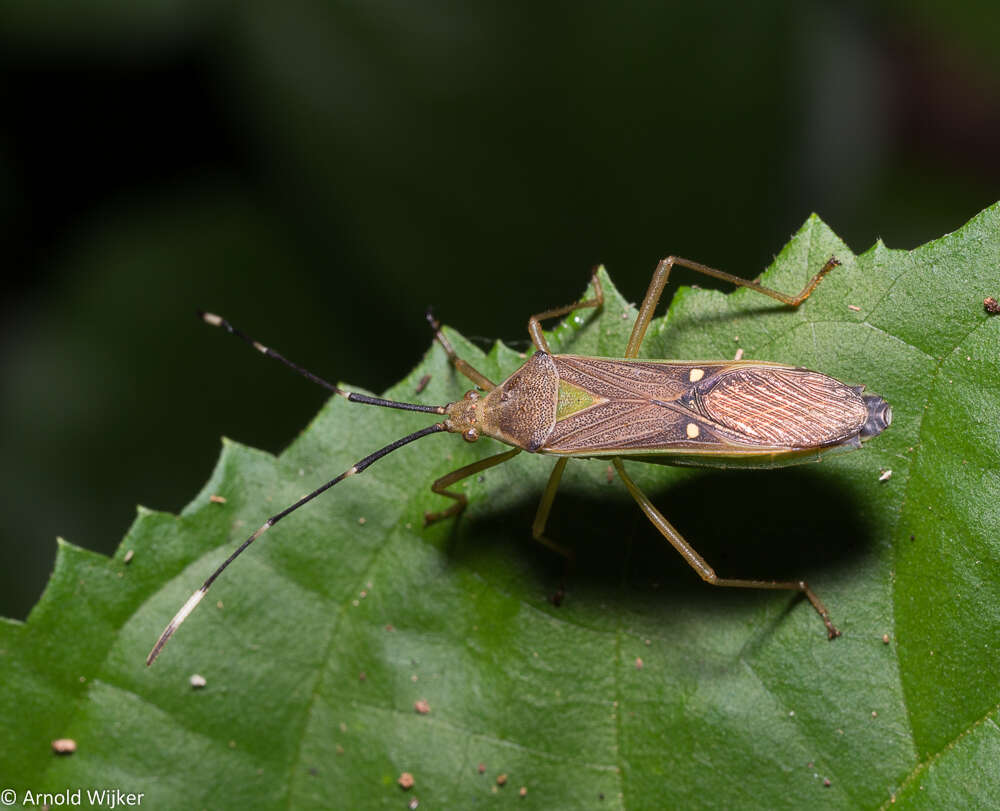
(879, 416)
(520, 411)
(465, 416)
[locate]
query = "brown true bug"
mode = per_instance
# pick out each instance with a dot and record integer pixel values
(702, 413)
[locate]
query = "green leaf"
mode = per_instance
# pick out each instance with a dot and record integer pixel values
(645, 688)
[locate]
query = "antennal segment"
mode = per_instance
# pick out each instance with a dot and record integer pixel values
(359, 466)
(354, 397)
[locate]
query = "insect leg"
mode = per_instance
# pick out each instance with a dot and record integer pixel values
(662, 273)
(535, 327)
(441, 485)
(545, 507)
(463, 366)
(700, 565)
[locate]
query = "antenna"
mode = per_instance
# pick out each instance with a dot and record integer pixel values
(354, 397)
(357, 467)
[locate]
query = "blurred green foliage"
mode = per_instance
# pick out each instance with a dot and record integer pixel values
(321, 172)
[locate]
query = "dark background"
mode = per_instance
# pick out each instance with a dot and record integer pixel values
(320, 172)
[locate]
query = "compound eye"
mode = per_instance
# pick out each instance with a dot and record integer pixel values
(470, 435)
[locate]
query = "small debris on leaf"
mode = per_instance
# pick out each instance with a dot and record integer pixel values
(523, 791)
(638, 663)
(885, 475)
(405, 781)
(991, 305)
(854, 307)
(422, 384)
(216, 499)
(481, 768)
(501, 779)
(197, 681)
(826, 782)
(128, 556)
(739, 354)
(413, 804)
(64, 746)
(885, 639)
(422, 706)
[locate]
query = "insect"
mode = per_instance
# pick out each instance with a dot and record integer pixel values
(701, 413)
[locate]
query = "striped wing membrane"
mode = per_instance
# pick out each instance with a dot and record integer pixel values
(793, 408)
